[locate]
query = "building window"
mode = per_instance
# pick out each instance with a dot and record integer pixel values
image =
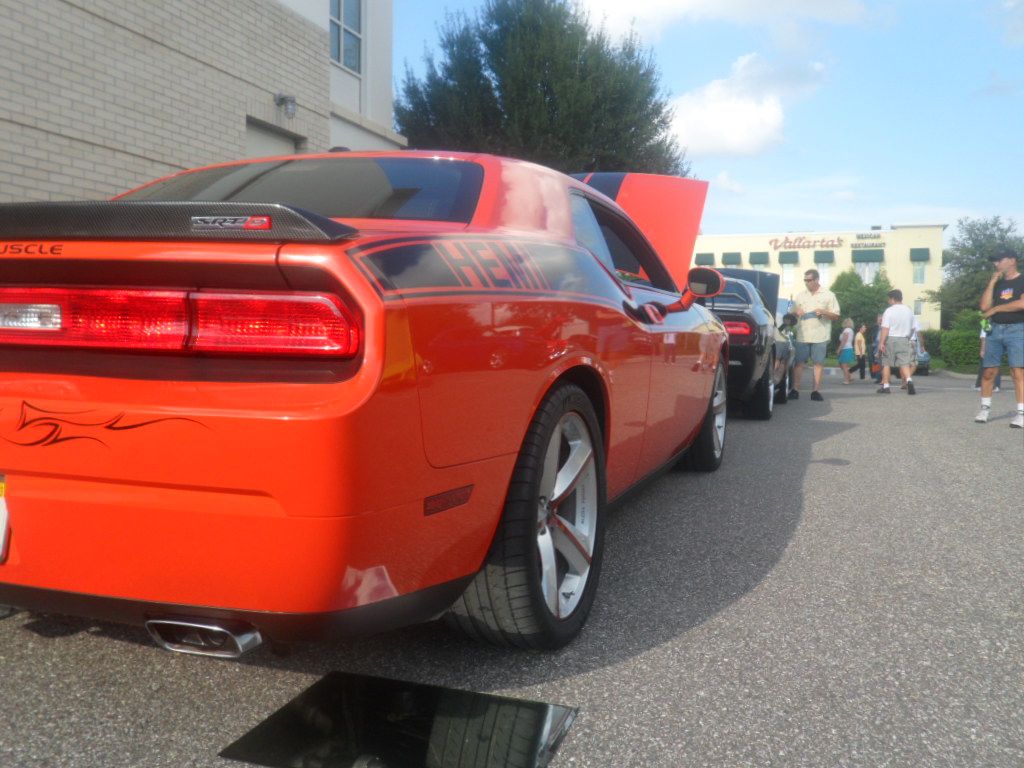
(824, 271)
(919, 272)
(787, 273)
(868, 271)
(347, 33)
(918, 306)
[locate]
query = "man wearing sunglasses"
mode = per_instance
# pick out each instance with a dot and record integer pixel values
(1003, 304)
(816, 308)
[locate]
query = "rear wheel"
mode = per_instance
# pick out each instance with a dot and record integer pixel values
(539, 578)
(761, 406)
(705, 455)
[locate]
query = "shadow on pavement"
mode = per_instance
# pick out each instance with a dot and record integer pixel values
(678, 551)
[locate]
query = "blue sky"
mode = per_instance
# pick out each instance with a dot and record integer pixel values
(817, 115)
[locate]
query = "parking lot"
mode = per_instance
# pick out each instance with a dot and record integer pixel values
(846, 590)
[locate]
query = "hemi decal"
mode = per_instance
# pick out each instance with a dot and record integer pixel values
(433, 267)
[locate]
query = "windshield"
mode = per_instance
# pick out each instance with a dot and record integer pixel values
(344, 187)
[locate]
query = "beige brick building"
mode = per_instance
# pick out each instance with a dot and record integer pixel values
(97, 96)
(911, 256)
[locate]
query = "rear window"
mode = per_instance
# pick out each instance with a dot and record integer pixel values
(344, 187)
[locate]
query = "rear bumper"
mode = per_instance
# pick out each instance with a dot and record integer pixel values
(742, 379)
(377, 617)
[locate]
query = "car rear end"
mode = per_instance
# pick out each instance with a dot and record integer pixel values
(748, 338)
(191, 410)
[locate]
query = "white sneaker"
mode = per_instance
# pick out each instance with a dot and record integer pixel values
(982, 416)
(1018, 420)
(995, 389)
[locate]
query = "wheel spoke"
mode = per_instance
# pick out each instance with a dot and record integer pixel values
(550, 475)
(548, 571)
(573, 543)
(580, 457)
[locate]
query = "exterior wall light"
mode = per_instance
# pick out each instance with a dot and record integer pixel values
(288, 102)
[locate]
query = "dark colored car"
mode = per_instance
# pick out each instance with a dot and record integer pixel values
(760, 355)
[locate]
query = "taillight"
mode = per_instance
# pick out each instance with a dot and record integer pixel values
(273, 324)
(216, 322)
(738, 328)
(110, 319)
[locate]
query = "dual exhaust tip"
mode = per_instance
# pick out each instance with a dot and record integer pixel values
(203, 637)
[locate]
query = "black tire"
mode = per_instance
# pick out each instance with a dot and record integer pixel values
(763, 402)
(471, 731)
(705, 455)
(782, 390)
(505, 604)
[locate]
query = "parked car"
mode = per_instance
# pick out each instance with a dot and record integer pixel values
(760, 355)
(924, 363)
(295, 397)
(768, 285)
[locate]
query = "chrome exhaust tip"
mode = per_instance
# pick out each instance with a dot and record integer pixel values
(203, 637)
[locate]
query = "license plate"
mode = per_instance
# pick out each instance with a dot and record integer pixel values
(5, 529)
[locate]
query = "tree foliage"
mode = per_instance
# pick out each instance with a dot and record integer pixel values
(862, 303)
(531, 79)
(966, 263)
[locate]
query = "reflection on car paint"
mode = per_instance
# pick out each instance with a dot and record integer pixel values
(356, 721)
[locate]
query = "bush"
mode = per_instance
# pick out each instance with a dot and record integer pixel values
(960, 348)
(967, 320)
(933, 342)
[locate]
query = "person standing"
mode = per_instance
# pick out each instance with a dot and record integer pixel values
(860, 350)
(986, 326)
(816, 308)
(894, 342)
(876, 361)
(846, 356)
(1003, 304)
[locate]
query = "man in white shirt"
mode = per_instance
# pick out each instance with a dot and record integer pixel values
(894, 342)
(816, 308)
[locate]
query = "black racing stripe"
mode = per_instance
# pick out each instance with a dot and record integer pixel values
(412, 266)
(607, 183)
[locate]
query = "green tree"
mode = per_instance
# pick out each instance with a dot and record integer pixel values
(532, 79)
(966, 265)
(862, 303)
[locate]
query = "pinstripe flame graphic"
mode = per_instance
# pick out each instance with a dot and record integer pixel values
(38, 427)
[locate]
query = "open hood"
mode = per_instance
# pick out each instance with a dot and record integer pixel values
(667, 208)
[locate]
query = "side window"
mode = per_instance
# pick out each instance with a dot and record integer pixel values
(588, 231)
(617, 243)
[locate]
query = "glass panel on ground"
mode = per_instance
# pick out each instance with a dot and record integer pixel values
(348, 720)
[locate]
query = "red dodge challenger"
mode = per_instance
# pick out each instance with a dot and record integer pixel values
(303, 396)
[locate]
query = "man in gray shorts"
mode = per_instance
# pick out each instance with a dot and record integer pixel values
(894, 342)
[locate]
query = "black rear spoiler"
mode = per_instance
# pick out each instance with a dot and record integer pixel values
(131, 220)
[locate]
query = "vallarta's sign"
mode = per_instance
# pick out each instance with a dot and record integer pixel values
(796, 243)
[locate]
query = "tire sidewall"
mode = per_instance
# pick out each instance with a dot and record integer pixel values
(565, 399)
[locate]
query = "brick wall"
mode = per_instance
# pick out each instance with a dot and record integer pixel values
(97, 96)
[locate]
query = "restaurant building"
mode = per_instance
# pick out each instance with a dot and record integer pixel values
(911, 256)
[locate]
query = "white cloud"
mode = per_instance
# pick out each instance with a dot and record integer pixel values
(725, 182)
(1014, 18)
(742, 114)
(650, 16)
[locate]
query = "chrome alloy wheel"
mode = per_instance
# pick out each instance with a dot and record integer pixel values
(718, 410)
(567, 515)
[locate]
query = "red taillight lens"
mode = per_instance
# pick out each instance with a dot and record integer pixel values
(736, 328)
(273, 324)
(217, 322)
(111, 319)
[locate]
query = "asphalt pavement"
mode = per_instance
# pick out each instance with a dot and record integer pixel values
(846, 591)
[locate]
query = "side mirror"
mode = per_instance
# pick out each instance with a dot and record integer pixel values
(701, 283)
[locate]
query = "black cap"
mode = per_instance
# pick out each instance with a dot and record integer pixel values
(1002, 253)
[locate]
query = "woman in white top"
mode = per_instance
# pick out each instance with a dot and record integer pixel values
(846, 356)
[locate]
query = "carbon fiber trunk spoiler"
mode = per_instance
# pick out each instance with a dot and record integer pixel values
(131, 220)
